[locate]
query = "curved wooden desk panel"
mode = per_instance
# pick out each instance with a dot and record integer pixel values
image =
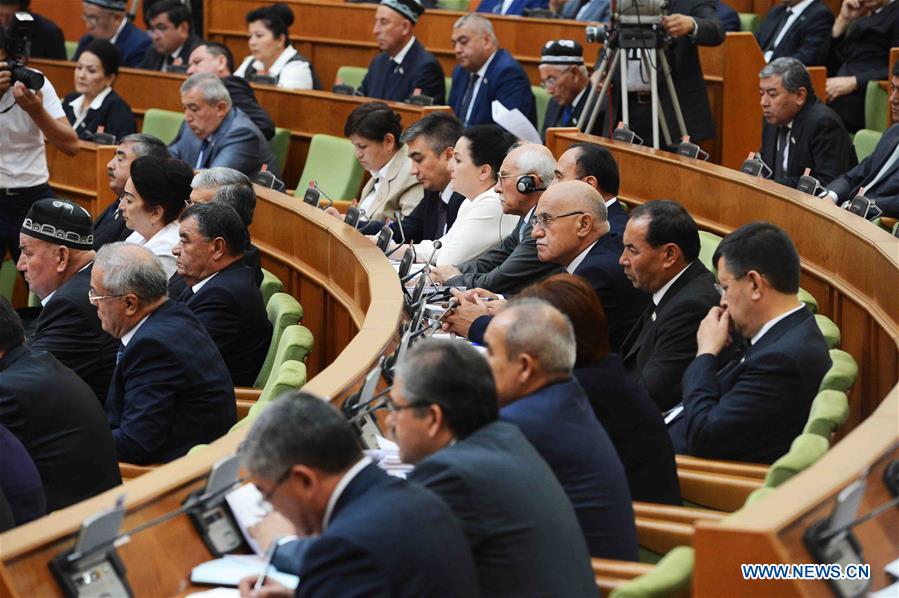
(352, 302)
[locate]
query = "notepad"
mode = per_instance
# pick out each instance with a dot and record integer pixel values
(231, 568)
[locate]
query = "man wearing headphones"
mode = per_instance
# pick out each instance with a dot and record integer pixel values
(513, 264)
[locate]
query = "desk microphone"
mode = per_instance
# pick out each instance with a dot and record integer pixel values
(691, 150)
(315, 186)
(353, 215)
(808, 184)
(427, 268)
(623, 133)
(753, 166)
(862, 206)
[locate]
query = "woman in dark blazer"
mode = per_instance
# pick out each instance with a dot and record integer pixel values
(94, 104)
(629, 416)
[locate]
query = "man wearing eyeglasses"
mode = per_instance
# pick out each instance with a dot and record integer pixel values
(751, 408)
(105, 19)
(564, 76)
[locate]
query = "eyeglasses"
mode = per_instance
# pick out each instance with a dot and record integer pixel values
(552, 80)
(721, 290)
(502, 176)
(93, 18)
(271, 491)
(543, 220)
(392, 407)
(93, 299)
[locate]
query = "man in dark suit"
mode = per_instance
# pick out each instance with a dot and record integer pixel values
(485, 73)
(378, 535)
(513, 8)
(800, 132)
(105, 19)
(564, 76)
(20, 483)
(172, 40)
(215, 133)
(753, 407)
(109, 227)
(730, 20)
(879, 172)
(661, 257)
(57, 267)
(216, 58)
(513, 264)
(170, 389)
(522, 530)
(47, 40)
(798, 29)
(56, 416)
(594, 165)
(862, 36)
(585, 10)
(221, 289)
(403, 68)
(531, 351)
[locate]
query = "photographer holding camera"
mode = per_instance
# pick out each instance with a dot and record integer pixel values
(29, 110)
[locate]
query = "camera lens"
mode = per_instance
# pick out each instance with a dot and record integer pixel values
(31, 79)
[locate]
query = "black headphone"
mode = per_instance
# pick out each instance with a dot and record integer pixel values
(527, 184)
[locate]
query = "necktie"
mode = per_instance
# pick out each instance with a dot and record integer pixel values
(119, 353)
(397, 68)
(781, 21)
(201, 158)
(885, 170)
(467, 97)
(565, 118)
(442, 210)
(782, 139)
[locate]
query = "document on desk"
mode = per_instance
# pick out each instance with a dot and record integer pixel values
(231, 568)
(249, 508)
(514, 122)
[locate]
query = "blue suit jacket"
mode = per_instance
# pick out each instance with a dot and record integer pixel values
(388, 537)
(753, 407)
(515, 9)
(522, 530)
(237, 144)
(420, 70)
(132, 42)
(504, 80)
(231, 310)
(170, 389)
(559, 422)
(597, 10)
(20, 482)
(886, 192)
(807, 39)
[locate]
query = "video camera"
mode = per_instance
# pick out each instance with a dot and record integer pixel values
(628, 15)
(16, 42)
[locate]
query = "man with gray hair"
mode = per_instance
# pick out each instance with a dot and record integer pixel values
(215, 133)
(206, 182)
(800, 131)
(170, 389)
(531, 350)
(485, 73)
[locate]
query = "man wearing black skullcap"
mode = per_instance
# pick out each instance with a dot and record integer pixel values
(403, 68)
(105, 19)
(564, 76)
(56, 261)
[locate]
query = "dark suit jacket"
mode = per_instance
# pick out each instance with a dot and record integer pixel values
(886, 191)
(553, 117)
(504, 80)
(421, 223)
(47, 41)
(109, 227)
(420, 70)
(230, 308)
(237, 144)
(753, 407)
(617, 217)
(635, 427)
(68, 327)
(656, 352)
(153, 60)
(515, 9)
(20, 482)
(520, 525)
(818, 140)
(59, 420)
(388, 537)
(508, 267)
(622, 302)
(170, 390)
(729, 18)
(114, 115)
(558, 421)
(132, 43)
(807, 39)
(243, 96)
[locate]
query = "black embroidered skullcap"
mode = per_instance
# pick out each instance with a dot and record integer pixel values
(60, 222)
(563, 52)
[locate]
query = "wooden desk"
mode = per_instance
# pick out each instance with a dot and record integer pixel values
(82, 178)
(305, 113)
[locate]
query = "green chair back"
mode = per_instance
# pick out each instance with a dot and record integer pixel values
(332, 164)
(271, 284)
(163, 124)
(541, 97)
(842, 373)
(283, 311)
(877, 106)
(749, 21)
(805, 450)
(865, 141)
(672, 576)
(808, 299)
(295, 345)
(448, 82)
(280, 144)
(708, 243)
(829, 411)
(757, 495)
(70, 49)
(291, 376)
(7, 279)
(453, 5)
(830, 331)
(351, 75)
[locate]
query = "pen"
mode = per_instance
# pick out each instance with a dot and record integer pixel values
(268, 564)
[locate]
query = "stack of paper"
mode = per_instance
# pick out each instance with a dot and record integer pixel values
(387, 456)
(231, 568)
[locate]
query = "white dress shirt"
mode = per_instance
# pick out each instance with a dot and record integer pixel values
(770, 324)
(195, 288)
(477, 85)
(126, 338)
(161, 245)
(660, 294)
(291, 75)
(401, 55)
(570, 268)
(81, 112)
(795, 11)
(23, 159)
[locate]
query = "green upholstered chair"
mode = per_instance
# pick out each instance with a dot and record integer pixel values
(448, 81)
(842, 373)
(163, 124)
(271, 284)
(71, 47)
(829, 411)
(283, 311)
(7, 279)
(351, 75)
(865, 141)
(541, 97)
(295, 344)
(672, 576)
(757, 495)
(805, 450)
(806, 298)
(331, 163)
(290, 376)
(453, 5)
(877, 106)
(830, 331)
(749, 21)
(280, 145)
(708, 243)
